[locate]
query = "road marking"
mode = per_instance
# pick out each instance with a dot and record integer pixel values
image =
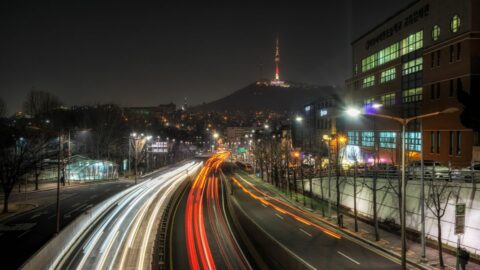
(22, 234)
(352, 260)
(280, 217)
(305, 232)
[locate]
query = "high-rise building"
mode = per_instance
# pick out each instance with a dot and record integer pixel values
(414, 63)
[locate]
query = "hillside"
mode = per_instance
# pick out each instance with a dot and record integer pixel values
(260, 96)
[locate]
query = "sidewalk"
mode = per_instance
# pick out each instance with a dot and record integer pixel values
(388, 240)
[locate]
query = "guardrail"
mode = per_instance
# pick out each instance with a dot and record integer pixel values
(160, 249)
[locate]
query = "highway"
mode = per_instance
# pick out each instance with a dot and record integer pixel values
(306, 238)
(201, 229)
(123, 237)
(23, 234)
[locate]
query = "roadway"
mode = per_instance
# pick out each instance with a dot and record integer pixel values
(201, 229)
(23, 234)
(317, 245)
(124, 236)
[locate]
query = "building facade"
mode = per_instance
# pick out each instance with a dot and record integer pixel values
(414, 63)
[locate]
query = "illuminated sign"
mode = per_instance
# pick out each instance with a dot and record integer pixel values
(159, 147)
(410, 19)
(323, 112)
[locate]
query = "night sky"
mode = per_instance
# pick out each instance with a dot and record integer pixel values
(143, 54)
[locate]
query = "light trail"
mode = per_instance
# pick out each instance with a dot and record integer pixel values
(204, 193)
(281, 209)
(123, 238)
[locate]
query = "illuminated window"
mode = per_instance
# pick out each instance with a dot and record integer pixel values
(387, 75)
(388, 54)
(455, 24)
(388, 139)
(381, 57)
(369, 62)
(388, 100)
(412, 43)
(368, 81)
(412, 66)
(413, 141)
(412, 95)
(353, 137)
(435, 32)
(367, 138)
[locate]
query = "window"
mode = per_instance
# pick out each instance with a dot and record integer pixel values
(367, 138)
(388, 139)
(450, 146)
(412, 66)
(459, 143)
(368, 81)
(459, 48)
(438, 57)
(387, 75)
(388, 100)
(432, 91)
(412, 95)
(438, 142)
(452, 53)
(413, 141)
(388, 54)
(412, 43)
(435, 32)
(438, 91)
(432, 141)
(353, 137)
(455, 24)
(459, 85)
(369, 62)
(451, 91)
(432, 59)
(381, 57)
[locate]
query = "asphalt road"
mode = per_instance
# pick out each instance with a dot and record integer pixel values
(25, 233)
(318, 246)
(201, 230)
(123, 238)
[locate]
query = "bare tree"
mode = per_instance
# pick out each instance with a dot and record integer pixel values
(438, 196)
(40, 102)
(19, 154)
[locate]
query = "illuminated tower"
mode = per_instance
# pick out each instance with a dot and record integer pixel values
(277, 61)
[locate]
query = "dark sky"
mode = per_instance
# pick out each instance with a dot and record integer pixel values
(141, 54)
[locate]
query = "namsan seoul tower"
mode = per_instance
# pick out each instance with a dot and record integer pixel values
(277, 60)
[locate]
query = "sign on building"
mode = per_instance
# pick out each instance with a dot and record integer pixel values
(460, 218)
(159, 147)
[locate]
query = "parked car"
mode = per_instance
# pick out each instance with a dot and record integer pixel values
(467, 174)
(431, 169)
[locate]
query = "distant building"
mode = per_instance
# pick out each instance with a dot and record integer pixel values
(319, 118)
(414, 63)
(238, 134)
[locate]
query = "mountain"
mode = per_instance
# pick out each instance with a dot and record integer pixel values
(265, 95)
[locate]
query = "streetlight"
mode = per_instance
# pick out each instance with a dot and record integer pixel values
(354, 112)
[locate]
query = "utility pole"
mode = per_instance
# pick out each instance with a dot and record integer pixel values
(60, 150)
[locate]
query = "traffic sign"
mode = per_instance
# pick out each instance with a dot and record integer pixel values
(460, 218)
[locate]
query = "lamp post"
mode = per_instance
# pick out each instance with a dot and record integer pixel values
(404, 122)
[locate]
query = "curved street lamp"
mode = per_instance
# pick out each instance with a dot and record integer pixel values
(355, 112)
